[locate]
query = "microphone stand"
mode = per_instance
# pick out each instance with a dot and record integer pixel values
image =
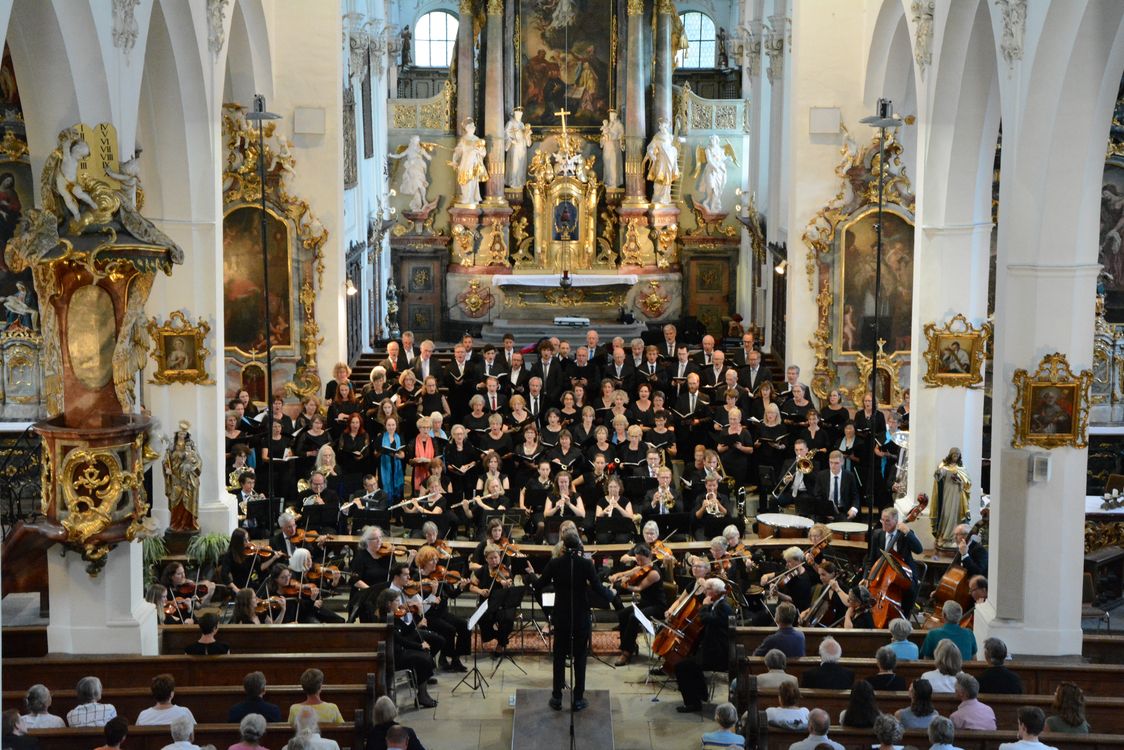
(573, 657)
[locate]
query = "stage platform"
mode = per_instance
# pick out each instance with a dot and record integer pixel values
(539, 727)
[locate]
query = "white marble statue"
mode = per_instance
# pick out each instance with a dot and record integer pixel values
(710, 168)
(129, 177)
(72, 150)
(468, 161)
(516, 142)
(412, 179)
(612, 146)
(662, 156)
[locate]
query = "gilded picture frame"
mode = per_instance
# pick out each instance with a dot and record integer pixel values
(1051, 407)
(956, 353)
(179, 350)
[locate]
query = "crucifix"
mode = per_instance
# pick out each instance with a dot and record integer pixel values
(562, 113)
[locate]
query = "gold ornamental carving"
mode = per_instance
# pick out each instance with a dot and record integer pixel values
(956, 353)
(823, 374)
(495, 7)
(664, 238)
(1051, 406)
(476, 300)
(571, 298)
(652, 302)
(889, 378)
(631, 250)
(635, 7)
(13, 147)
(179, 350)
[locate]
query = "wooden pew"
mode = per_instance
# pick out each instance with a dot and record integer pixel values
(210, 704)
(28, 640)
(350, 735)
(61, 672)
(281, 639)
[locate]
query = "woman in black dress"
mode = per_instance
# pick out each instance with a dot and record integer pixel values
(518, 417)
(903, 412)
(640, 412)
(568, 410)
(833, 416)
(373, 394)
(582, 431)
(794, 411)
(431, 400)
(242, 567)
(476, 421)
(526, 458)
(817, 439)
(310, 407)
(772, 444)
(353, 449)
(407, 402)
(604, 401)
(631, 455)
(765, 396)
(341, 409)
(532, 499)
(735, 448)
(601, 445)
(372, 570)
(460, 464)
(612, 504)
(566, 457)
(496, 440)
(552, 428)
(275, 455)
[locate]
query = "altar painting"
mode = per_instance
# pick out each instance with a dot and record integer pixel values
(243, 280)
(1112, 226)
(856, 313)
(565, 221)
(17, 290)
(551, 80)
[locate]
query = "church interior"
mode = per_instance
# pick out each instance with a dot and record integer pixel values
(340, 339)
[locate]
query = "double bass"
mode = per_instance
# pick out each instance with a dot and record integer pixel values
(682, 631)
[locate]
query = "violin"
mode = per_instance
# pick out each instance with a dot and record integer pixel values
(637, 577)
(443, 549)
(501, 573)
(721, 565)
(442, 574)
(190, 588)
(401, 611)
(324, 572)
(272, 606)
(261, 550)
(510, 549)
(178, 607)
(305, 591)
(386, 549)
(305, 535)
(661, 552)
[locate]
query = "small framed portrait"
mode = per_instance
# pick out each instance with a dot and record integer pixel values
(1051, 406)
(956, 352)
(179, 350)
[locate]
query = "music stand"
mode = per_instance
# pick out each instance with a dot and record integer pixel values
(550, 529)
(361, 518)
(321, 517)
(615, 525)
(475, 675)
(414, 521)
(261, 513)
(503, 599)
(679, 522)
(637, 488)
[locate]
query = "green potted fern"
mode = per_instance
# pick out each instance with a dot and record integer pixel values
(153, 550)
(204, 551)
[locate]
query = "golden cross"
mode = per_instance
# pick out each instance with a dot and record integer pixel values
(562, 113)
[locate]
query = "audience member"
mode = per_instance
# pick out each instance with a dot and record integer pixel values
(829, 675)
(38, 716)
(886, 679)
(1031, 722)
(948, 663)
(920, 713)
(971, 713)
(862, 708)
(723, 738)
(787, 714)
(904, 649)
(207, 645)
(116, 730)
(312, 681)
(997, 678)
(164, 712)
(787, 639)
(397, 738)
(307, 725)
(964, 639)
(776, 661)
(1069, 711)
(251, 729)
(889, 732)
(385, 713)
(183, 731)
(818, 724)
(90, 712)
(14, 735)
(941, 734)
(254, 686)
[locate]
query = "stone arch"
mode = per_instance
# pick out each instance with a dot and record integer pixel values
(890, 74)
(249, 61)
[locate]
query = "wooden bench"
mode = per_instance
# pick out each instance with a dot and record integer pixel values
(210, 704)
(350, 735)
(281, 639)
(137, 671)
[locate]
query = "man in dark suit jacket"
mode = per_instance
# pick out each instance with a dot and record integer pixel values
(713, 650)
(692, 410)
(829, 675)
(318, 495)
(488, 363)
(714, 374)
(550, 371)
(837, 493)
(620, 371)
(741, 357)
(585, 371)
(970, 554)
(507, 351)
(668, 347)
(407, 352)
(426, 364)
(753, 373)
(895, 535)
(676, 372)
(575, 582)
(706, 356)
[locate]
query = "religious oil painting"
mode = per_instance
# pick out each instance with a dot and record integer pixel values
(243, 274)
(17, 290)
(956, 352)
(894, 306)
(1051, 409)
(565, 221)
(179, 350)
(1111, 238)
(1051, 406)
(566, 61)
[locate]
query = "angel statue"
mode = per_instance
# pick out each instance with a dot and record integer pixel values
(182, 467)
(951, 489)
(516, 141)
(662, 156)
(612, 144)
(468, 161)
(412, 179)
(129, 177)
(62, 169)
(710, 161)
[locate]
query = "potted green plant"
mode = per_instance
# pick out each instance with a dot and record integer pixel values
(204, 551)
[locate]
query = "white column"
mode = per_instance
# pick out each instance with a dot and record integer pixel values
(103, 615)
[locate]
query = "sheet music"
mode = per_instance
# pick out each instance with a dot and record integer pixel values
(477, 614)
(548, 599)
(643, 620)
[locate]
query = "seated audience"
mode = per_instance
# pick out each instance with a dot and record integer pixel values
(251, 729)
(964, 638)
(776, 661)
(1031, 722)
(818, 724)
(385, 713)
(723, 738)
(904, 649)
(948, 663)
(116, 730)
(787, 714)
(862, 708)
(183, 731)
(397, 738)
(207, 645)
(15, 734)
(307, 726)
(38, 716)
(942, 734)
(164, 712)
(971, 713)
(1069, 711)
(90, 712)
(889, 732)
(886, 679)
(312, 682)
(254, 686)
(787, 639)
(920, 713)
(997, 678)
(829, 675)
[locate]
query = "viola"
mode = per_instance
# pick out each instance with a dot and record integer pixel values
(442, 574)
(386, 549)
(661, 552)
(637, 577)
(412, 588)
(722, 564)
(510, 549)
(190, 588)
(501, 573)
(443, 549)
(272, 606)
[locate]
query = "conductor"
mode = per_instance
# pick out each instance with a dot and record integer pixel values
(574, 579)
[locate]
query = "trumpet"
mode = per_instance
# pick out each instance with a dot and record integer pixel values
(664, 497)
(712, 506)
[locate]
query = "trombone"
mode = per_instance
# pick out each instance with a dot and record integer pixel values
(804, 465)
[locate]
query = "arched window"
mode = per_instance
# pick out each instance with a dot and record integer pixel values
(434, 37)
(699, 30)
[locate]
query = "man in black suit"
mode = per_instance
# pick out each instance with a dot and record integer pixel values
(970, 553)
(507, 351)
(714, 374)
(668, 347)
(741, 356)
(620, 371)
(712, 651)
(408, 353)
(425, 364)
(487, 364)
(318, 495)
(706, 356)
(897, 537)
(575, 581)
(802, 490)
(390, 364)
(460, 382)
(675, 374)
(753, 374)
(692, 410)
(536, 401)
(837, 493)
(663, 499)
(829, 675)
(514, 381)
(585, 370)
(549, 371)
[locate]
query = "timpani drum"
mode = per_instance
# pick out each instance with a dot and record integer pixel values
(782, 526)
(850, 531)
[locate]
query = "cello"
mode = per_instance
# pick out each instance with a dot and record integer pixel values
(953, 586)
(889, 580)
(682, 630)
